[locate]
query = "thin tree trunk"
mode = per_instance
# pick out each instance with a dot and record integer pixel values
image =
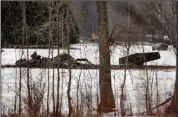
(50, 38)
(20, 80)
(127, 46)
(20, 92)
(70, 78)
(58, 75)
(30, 110)
(48, 89)
(58, 81)
(16, 93)
(157, 92)
(53, 76)
(122, 98)
(107, 101)
(53, 87)
(62, 37)
(0, 83)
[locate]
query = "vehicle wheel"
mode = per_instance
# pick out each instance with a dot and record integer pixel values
(153, 49)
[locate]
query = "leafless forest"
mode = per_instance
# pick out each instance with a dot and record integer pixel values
(63, 58)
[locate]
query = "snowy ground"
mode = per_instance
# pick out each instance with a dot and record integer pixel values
(88, 79)
(91, 52)
(88, 85)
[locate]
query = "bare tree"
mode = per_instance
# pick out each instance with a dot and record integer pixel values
(58, 74)
(50, 38)
(0, 83)
(127, 46)
(28, 77)
(167, 23)
(107, 101)
(68, 51)
(20, 75)
(159, 18)
(174, 102)
(176, 89)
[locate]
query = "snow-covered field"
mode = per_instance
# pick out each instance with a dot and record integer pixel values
(91, 52)
(87, 80)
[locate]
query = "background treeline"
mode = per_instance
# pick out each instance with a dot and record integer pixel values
(37, 19)
(146, 18)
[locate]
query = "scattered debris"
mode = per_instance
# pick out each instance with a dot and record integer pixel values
(60, 61)
(33, 56)
(160, 46)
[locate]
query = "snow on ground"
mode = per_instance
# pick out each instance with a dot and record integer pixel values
(88, 79)
(91, 52)
(88, 86)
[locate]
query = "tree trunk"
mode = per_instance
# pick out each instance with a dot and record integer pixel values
(49, 50)
(176, 84)
(173, 108)
(58, 74)
(68, 52)
(20, 74)
(107, 101)
(53, 83)
(31, 112)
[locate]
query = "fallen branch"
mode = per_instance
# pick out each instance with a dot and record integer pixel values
(166, 101)
(163, 103)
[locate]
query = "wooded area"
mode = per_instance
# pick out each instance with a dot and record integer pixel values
(62, 87)
(37, 23)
